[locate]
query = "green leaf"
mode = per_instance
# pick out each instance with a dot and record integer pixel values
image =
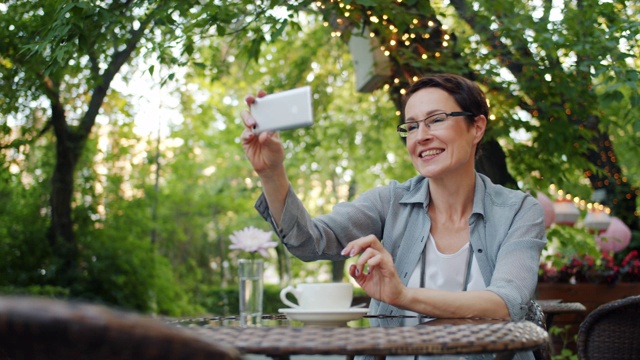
(283, 25)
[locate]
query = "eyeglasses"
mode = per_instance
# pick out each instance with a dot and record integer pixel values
(432, 122)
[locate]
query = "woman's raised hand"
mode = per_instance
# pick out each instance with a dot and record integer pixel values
(265, 150)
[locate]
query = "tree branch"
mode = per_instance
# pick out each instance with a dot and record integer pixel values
(118, 59)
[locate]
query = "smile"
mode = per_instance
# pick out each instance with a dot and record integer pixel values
(430, 153)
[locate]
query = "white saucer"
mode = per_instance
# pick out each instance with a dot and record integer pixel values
(324, 317)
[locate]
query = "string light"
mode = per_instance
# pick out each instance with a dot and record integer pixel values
(580, 203)
(416, 37)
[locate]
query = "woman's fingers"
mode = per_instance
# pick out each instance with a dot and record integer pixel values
(374, 269)
(357, 246)
(370, 250)
(250, 99)
(248, 120)
(368, 261)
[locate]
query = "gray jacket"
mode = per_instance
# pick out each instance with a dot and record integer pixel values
(507, 233)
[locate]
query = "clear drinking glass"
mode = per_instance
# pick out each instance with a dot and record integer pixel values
(251, 290)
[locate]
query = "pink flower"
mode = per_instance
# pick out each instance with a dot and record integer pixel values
(252, 240)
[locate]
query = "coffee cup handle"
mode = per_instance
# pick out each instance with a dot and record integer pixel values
(283, 296)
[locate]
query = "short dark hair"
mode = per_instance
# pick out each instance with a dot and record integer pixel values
(466, 93)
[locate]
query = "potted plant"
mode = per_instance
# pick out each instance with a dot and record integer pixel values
(578, 265)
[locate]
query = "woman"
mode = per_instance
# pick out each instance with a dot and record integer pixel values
(447, 243)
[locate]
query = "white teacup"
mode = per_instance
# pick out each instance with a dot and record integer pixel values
(319, 296)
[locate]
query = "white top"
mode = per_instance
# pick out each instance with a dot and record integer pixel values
(443, 272)
(447, 271)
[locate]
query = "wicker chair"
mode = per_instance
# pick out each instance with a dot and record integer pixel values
(612, 331)
(537, 316)
(36, 328)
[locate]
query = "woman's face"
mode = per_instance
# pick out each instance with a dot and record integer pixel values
(449, 149)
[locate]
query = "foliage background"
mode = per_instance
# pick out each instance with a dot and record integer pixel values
(153, 209)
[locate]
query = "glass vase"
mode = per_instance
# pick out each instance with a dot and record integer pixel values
(251, 291)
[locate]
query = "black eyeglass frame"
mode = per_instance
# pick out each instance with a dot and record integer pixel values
(403, 132)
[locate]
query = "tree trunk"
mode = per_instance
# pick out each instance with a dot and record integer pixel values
(61, 233)
(70, 142)
(492, 162)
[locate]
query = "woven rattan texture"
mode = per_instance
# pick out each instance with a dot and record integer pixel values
(562, 307)
(612, 331)
(440, 339)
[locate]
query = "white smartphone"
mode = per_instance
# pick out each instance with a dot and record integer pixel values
(283, 110)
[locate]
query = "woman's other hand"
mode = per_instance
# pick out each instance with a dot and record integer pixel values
(374, 270)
